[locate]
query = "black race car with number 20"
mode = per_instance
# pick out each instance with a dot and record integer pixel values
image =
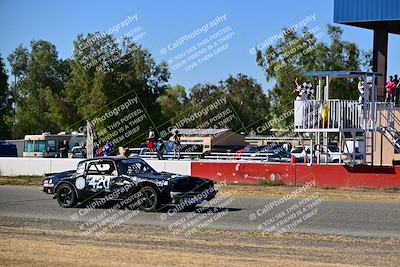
(123, 178)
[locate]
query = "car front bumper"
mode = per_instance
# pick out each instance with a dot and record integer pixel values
(193, 196)
(48, 188)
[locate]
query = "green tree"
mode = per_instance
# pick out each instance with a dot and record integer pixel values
(201, 97)
(201, 92)
(248, 101)
(173, 102)
(5, 103)
(106, 73)
(19, 66)
(38, 74)
(19, 62)
(245, 101)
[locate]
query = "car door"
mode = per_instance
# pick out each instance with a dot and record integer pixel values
(100, 175)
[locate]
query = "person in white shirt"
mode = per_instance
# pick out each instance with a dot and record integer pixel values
(152, 135)
(360, 88)
(300, 91)
(305, 92)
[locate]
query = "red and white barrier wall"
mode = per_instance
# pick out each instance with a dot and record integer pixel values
(298, 174)
(235, 172)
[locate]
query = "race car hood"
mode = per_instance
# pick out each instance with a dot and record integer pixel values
(168, 176)
(55, 177)
(179, 182)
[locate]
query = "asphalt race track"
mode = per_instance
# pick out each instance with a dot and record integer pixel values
(339, 217)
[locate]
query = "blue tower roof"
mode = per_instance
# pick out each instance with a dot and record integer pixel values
(370, 14)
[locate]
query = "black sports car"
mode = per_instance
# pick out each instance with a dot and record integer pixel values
(122, 179)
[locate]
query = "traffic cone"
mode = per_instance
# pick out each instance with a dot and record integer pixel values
(292, 159)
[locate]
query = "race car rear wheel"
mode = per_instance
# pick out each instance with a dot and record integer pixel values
(149, 199)
(66, 196)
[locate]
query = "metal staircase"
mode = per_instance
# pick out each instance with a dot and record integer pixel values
(390, 128)
(369, 147)
(392, 136)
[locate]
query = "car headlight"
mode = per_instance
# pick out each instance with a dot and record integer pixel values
(48, 183)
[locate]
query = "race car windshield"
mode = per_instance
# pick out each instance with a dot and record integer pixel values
(129, 167)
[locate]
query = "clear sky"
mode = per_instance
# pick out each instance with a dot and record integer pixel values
(249, 23)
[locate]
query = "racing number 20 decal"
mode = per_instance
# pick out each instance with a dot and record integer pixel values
(99, 182)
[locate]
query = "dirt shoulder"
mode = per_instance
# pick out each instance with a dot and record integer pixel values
(21, 180)
(28, 242)
(327, 193)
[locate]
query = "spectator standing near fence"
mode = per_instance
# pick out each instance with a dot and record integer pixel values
(99, 151)
(95, 148)
(150, 144)
(176, 138)
(107, 149)
(360, 87)
(396, 89)
(299, 91)
(390, 87)
(83, 150)
(160, 149)
(64, 148)
(304, 91)
(151, 139)
(123, 152)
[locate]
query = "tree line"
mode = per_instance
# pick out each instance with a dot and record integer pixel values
(50, 94)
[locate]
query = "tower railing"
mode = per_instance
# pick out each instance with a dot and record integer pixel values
(329, 115)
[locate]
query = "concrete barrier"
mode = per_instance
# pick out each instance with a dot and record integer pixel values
(35, 166)
(238, 172)
(337, 176)
(346, 176)
(40, 166)
(173, 166)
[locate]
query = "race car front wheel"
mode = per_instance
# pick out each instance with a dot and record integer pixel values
(66, 196)
(149, 200)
